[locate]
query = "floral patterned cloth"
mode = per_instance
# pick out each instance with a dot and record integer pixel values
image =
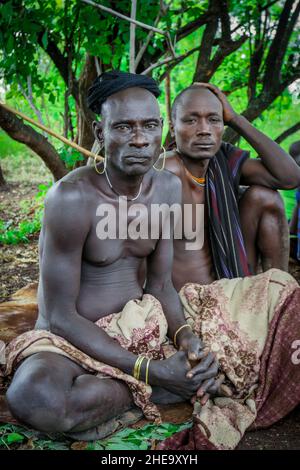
(250, 324)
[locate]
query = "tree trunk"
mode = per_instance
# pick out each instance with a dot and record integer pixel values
(3, 184)
(85, 116)
(19, 131)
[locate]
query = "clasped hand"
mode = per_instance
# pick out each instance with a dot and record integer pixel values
(202, 367)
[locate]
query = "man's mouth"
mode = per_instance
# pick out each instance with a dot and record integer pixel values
(136, 159)
(203, 145)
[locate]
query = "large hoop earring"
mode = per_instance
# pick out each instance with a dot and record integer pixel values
(104, 166)
(164, 161)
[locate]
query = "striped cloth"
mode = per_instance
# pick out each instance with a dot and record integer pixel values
(226, 240)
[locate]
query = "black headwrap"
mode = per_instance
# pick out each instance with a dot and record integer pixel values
(109, 83)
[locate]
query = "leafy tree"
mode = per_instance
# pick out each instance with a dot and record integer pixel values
(51, 50)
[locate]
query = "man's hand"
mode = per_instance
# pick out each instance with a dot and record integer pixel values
(191, 344)
(171, 374)
(203, 364)
(228, 112)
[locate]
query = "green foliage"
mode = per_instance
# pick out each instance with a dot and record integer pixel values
(22, 232)
(139, 439)
(12, 436)
(70, 156)
(128, 439)
(29, 27)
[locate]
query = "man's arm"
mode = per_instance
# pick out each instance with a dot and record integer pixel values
(159, 267)
(66, 226)
(159, 284)
(275, 168)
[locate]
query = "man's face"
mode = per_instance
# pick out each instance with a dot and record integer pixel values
(132, 130)
(198, 125)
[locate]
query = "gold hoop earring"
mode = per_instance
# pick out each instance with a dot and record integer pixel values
(164, 161)
(104, 166)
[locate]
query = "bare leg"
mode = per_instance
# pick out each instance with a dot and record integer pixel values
(265, 228)
(51, 393)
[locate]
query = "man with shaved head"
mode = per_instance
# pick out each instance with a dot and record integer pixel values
(237, 231)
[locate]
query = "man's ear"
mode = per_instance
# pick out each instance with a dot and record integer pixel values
(98, 131)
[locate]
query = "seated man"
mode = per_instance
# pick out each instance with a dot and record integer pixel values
(87, 274)
(210, 171)
(294, 151)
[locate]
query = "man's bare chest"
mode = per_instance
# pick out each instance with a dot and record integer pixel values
(119, 231)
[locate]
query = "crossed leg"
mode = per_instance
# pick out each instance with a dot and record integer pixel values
(51, 393)
(265, 228)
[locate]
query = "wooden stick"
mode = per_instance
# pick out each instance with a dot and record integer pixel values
(168, 60)
(115, 13)
(80, 149)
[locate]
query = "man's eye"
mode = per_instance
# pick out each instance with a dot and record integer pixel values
(215, 119)
(123, 127)
(190, 121)
(151, 125)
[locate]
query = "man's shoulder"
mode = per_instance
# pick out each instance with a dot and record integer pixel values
(232, 151)
(173, 163)
(169, 184)
(166, 178)
(73, 187)
(67, 209)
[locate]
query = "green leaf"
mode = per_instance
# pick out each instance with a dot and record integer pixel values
(121, 446)
(45, 39)
(14, 437)
(10, 44)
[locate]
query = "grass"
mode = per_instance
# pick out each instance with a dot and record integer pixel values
(14, 437)
(12, 233)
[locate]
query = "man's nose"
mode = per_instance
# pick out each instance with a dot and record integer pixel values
(139, 139)
(203, 127)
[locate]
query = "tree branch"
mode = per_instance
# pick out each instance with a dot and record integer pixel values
(59, 61)
(279, 44)
(132, 37)
(225, 20)
(29, 98)
(189, 28)
(123, 17)
(284, 135)
(224, 50)
(19, 131)
(146, 43)
(169, 60)
(205, 51)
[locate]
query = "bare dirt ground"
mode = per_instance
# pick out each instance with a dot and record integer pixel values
(19, 266)
(19, 263)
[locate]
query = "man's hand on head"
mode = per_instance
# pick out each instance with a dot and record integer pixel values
(228, 112)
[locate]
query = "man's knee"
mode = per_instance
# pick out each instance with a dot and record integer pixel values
(265, 199)
(34, 399)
